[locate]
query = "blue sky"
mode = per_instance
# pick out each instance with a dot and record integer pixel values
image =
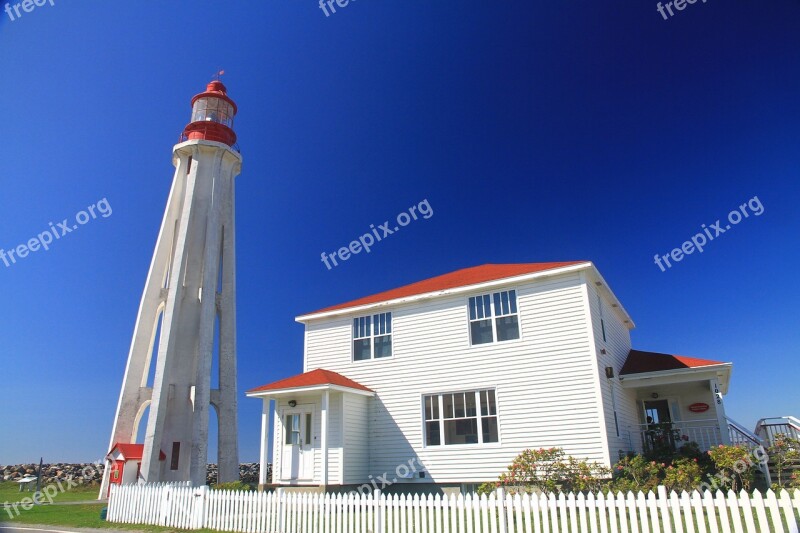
(537, 132)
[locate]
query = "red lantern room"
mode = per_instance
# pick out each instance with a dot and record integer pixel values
(212, 116)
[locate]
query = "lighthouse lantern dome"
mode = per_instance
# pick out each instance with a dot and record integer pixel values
(212, 115)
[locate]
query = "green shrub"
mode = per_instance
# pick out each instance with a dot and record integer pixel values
(637, 473)
(233, 485)
(784, 453)
(735, 467)
(549, 470)
(683, 474)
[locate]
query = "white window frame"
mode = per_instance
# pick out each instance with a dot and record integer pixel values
(374, 325)
(479, 415)
(494, 316)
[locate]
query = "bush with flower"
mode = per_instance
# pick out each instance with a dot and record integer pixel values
(735, 467)
(549, 470)
(785, 455)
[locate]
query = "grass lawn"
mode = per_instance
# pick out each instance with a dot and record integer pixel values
(9, 492)
(76, 516)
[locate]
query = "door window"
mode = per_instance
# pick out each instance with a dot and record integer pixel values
(293, 429)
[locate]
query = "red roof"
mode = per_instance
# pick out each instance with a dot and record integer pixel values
(459, 278)
(639, 362)
(133, 452)
(310, 379)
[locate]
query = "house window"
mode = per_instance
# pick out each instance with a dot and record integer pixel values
(372, 337)
(461, 418)
(493, 317)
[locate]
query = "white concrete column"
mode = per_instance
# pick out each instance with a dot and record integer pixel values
(134, 386)
(324, 436)
(208, 308)
(719, 407)
(228, 425)
(151, 465)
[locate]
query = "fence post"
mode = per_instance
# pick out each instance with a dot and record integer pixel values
(279, 493)
(501, 509)
(166, 505)
(199, 497)
(377, 515)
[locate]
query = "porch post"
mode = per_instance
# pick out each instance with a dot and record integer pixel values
(720, 409)
(277, 444)
(324, 436)
(263, 459)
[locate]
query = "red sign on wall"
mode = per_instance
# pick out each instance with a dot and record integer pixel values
(698, 407)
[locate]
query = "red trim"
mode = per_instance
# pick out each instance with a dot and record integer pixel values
(310, 379)
(452, 280)
(209, 131)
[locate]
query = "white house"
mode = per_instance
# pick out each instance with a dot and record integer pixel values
(446, 380)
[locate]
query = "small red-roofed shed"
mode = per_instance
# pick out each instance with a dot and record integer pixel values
(126, 462)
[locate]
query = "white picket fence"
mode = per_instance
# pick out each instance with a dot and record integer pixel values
(267, 512)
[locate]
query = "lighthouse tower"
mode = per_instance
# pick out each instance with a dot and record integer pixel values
(187, 313)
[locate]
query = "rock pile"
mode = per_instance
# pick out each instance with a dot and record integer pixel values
(83, 473)
(248, 473)
(92, 473)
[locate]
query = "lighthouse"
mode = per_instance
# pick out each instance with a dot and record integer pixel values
(187, 317)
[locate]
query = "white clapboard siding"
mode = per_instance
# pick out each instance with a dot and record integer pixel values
(546, 382)
(249, 512)
(617, 344)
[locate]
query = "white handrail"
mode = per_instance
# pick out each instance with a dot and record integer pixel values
(767, 428)
(746, 434)
(790, 420)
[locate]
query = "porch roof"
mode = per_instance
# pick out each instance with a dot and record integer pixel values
(639, 361)
(646, 367)
(315, 380)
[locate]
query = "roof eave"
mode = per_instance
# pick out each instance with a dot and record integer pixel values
(272, 393)
(722, 369)
(446, 292)
(626, 317)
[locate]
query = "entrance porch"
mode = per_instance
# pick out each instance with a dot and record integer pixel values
(310, 447)
(678, 400)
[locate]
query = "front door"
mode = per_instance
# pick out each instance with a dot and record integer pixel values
(659, 435)
(657, 412)
(298, 452)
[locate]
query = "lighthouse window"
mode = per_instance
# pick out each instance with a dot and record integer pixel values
(213, 110)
